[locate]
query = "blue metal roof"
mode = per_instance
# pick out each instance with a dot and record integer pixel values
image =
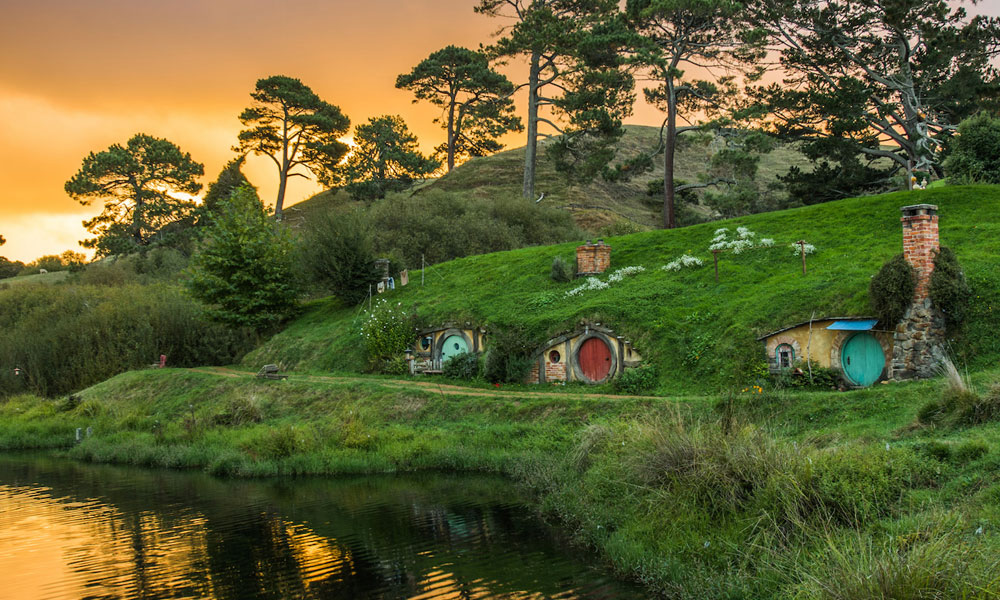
(861, 325)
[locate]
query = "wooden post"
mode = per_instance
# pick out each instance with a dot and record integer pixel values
(809, 346)
(802, 247)
(715, 255)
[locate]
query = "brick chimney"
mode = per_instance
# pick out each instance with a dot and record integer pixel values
(920, 244)
(918, 340)
(592, 259)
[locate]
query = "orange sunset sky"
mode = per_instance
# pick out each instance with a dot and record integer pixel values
(76, 77)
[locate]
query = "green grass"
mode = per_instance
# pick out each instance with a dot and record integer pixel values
(45, 278)
(804, 495)
(701, 335)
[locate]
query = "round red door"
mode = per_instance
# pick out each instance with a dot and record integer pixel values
(595, 359)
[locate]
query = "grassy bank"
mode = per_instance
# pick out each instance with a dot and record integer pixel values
(771, 495)
(700, 334)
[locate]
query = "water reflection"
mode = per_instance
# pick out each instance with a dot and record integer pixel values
(83, 531)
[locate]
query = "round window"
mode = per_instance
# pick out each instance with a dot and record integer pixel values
(425, 343)
(554, 356)
(457, 347)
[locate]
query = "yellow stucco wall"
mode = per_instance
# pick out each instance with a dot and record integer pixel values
(427, 359)
(823, 346)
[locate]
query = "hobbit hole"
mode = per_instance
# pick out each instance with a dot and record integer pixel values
(593, 354)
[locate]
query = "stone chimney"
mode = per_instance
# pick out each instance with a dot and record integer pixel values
(918, 340)
(592, 259)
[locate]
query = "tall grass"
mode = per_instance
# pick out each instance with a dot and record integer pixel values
(939, 564)
(666, 493)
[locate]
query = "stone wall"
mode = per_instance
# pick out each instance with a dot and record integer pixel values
(918, 342)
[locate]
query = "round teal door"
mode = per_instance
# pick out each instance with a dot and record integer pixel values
(862, 359)
(453, 345)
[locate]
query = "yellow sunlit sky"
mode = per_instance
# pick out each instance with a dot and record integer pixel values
(77, 77)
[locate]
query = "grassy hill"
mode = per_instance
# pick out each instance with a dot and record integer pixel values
(773, 494)
(596, 206)
(699, 333)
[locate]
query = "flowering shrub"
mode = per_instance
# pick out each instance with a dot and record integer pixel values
(593, 283)
(744, 240)
(387, 331)
(796, 249)
(684, 261)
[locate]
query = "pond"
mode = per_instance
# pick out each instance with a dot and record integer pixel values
(72, 530)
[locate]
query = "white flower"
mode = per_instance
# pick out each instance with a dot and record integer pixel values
(593, 283)
(796, 249)
(684, 261)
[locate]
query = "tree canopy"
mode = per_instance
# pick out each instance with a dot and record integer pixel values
(576, 74)
(475, 100)
(141, 185)
(385, 158)
(975, 152)
(245, 270)
(680, 38)
(899, 72)
(292, 126)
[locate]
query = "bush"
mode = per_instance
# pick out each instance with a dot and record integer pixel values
(639, 380)
(65, 338)
(890, 293)
(338, 254)
(976, 410)
(969, 451)
(561, 271)
(960, 405)
(245, 270)
(442, 226)
(823, 378)
(949, 292)
(386, 332)
(975, 151)
(9, 268)
(462, 366)
(508, 358)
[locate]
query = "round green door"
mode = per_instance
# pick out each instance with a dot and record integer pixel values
(453, 345)
(862, 359)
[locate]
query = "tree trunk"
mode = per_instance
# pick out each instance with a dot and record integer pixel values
(137, 215)
(281, 195)
(668, 159)
(283, 174)
(531, 147)
(451, 135)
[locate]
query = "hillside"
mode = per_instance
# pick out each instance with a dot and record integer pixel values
(595, 206)
(700, 334)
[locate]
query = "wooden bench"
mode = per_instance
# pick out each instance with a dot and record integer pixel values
(270, 372)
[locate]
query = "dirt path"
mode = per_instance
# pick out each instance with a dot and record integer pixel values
(429, 385)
